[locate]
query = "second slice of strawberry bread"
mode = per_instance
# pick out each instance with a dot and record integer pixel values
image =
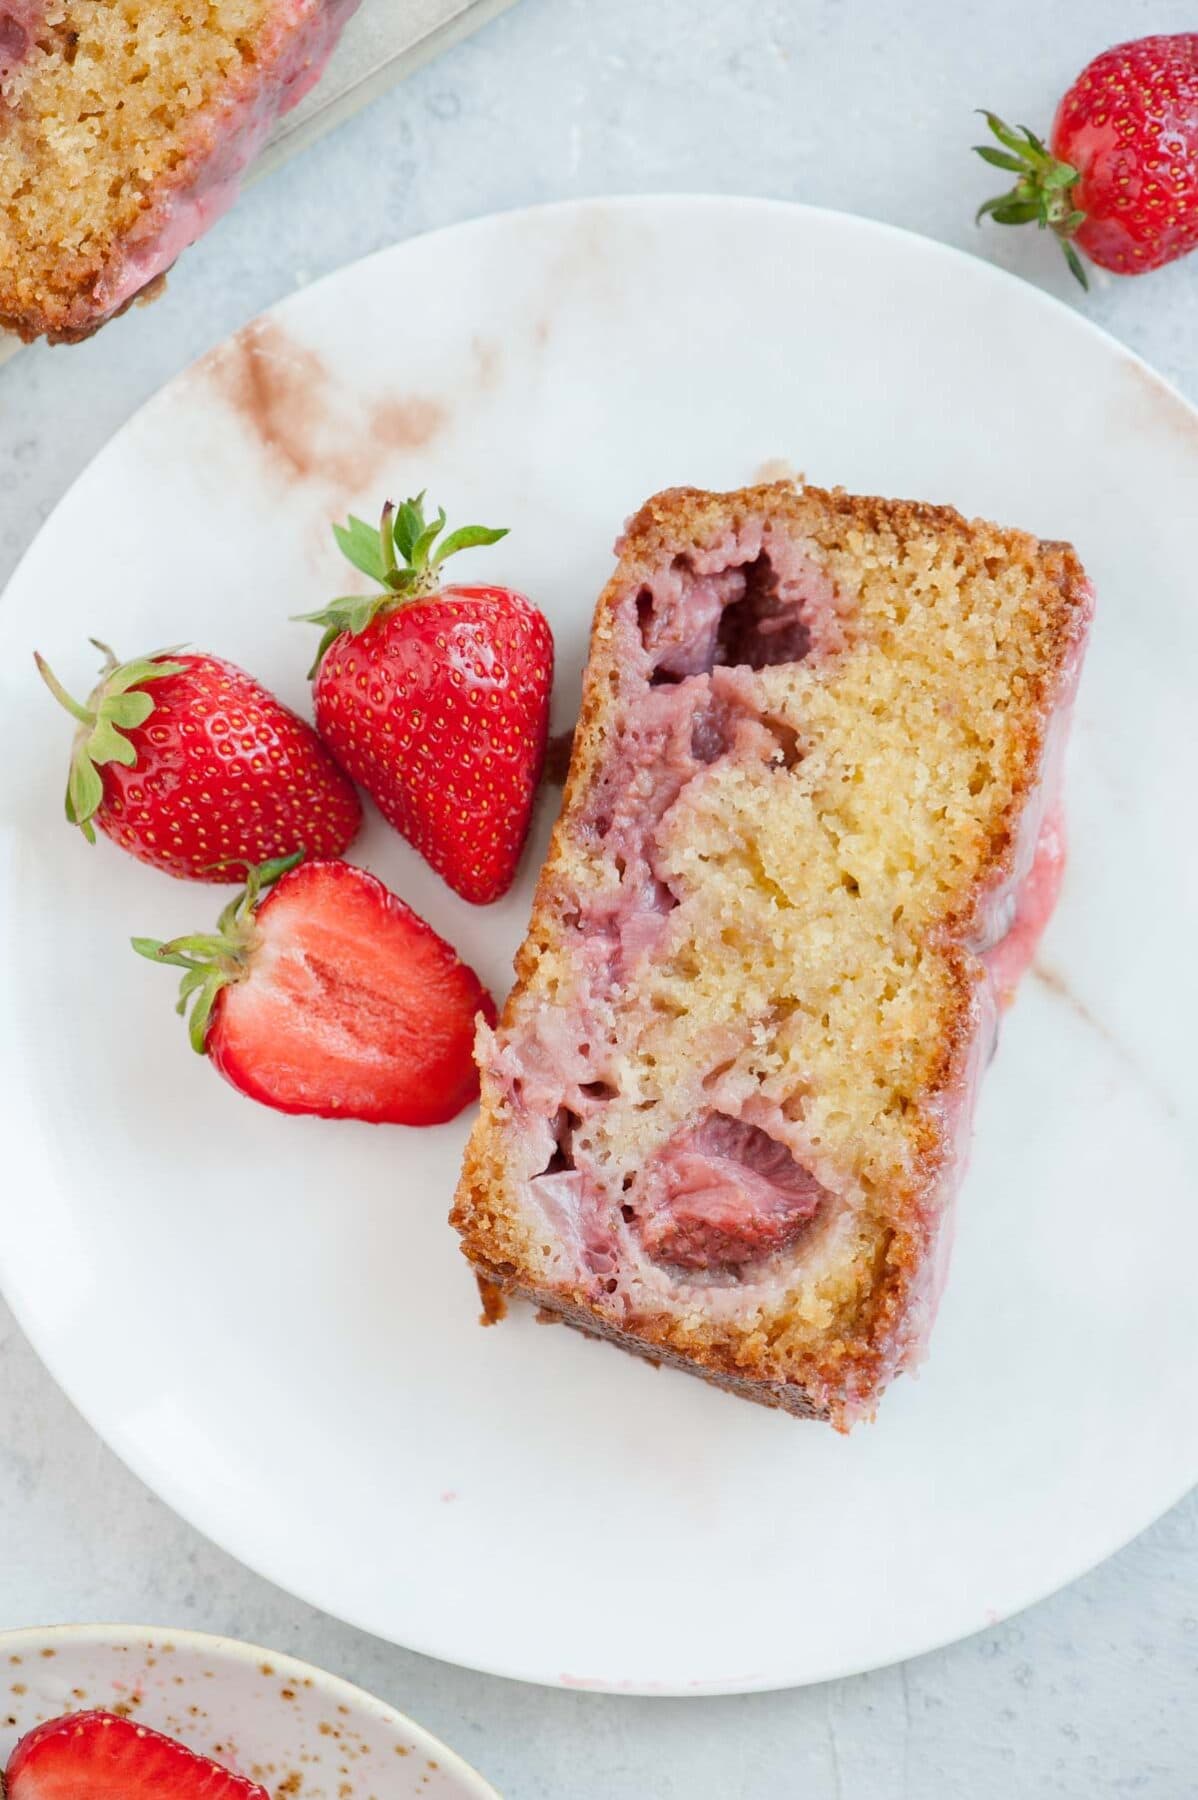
(126, 127)
(808, 839)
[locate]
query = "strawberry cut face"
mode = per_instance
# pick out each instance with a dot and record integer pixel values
(100, 1756)
(351, 1006)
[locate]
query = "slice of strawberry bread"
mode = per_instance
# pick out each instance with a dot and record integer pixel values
(125, 129)
(808, 840)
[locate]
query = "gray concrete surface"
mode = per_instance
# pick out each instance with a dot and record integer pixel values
(859, 104)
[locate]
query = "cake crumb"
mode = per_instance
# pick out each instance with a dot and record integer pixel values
(494, 1303)
(779, 468)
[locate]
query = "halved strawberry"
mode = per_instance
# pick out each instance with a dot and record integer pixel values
(330, 996)
(190, 764)
(436, 698)
(100, 1756)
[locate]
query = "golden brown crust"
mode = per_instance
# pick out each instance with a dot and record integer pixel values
(708, 1361)
(676, 522)
(35, 325)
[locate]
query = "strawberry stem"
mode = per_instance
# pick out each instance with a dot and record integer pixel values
(387, 540)
(399, 556)
(1043, 193)
(117, 704)
(60, 693)
(211, 960)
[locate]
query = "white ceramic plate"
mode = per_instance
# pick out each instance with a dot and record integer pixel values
(231, 1296)
(286, 1724)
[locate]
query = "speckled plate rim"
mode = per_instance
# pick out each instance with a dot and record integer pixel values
(155, 1474)
(235, 1651)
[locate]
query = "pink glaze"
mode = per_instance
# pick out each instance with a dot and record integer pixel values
(1035, 902)
(295, 44)
(735, 1194)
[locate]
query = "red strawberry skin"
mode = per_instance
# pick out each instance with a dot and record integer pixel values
(1129, 125)
(352, 1006)
(440, 710)
(224, 773)
(100, 1756)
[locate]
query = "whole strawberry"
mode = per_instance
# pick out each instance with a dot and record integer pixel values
(436, 698)
(327, 995)
(191, 765)
(1120, 180)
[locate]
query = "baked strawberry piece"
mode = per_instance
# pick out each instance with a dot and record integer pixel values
(436, 697)
(193, 766)
(101, 1756)
(321, 992)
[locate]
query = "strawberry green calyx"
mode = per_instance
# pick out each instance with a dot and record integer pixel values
(402, 555)
(1043, 192)
(211, 960)
(117, 704)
